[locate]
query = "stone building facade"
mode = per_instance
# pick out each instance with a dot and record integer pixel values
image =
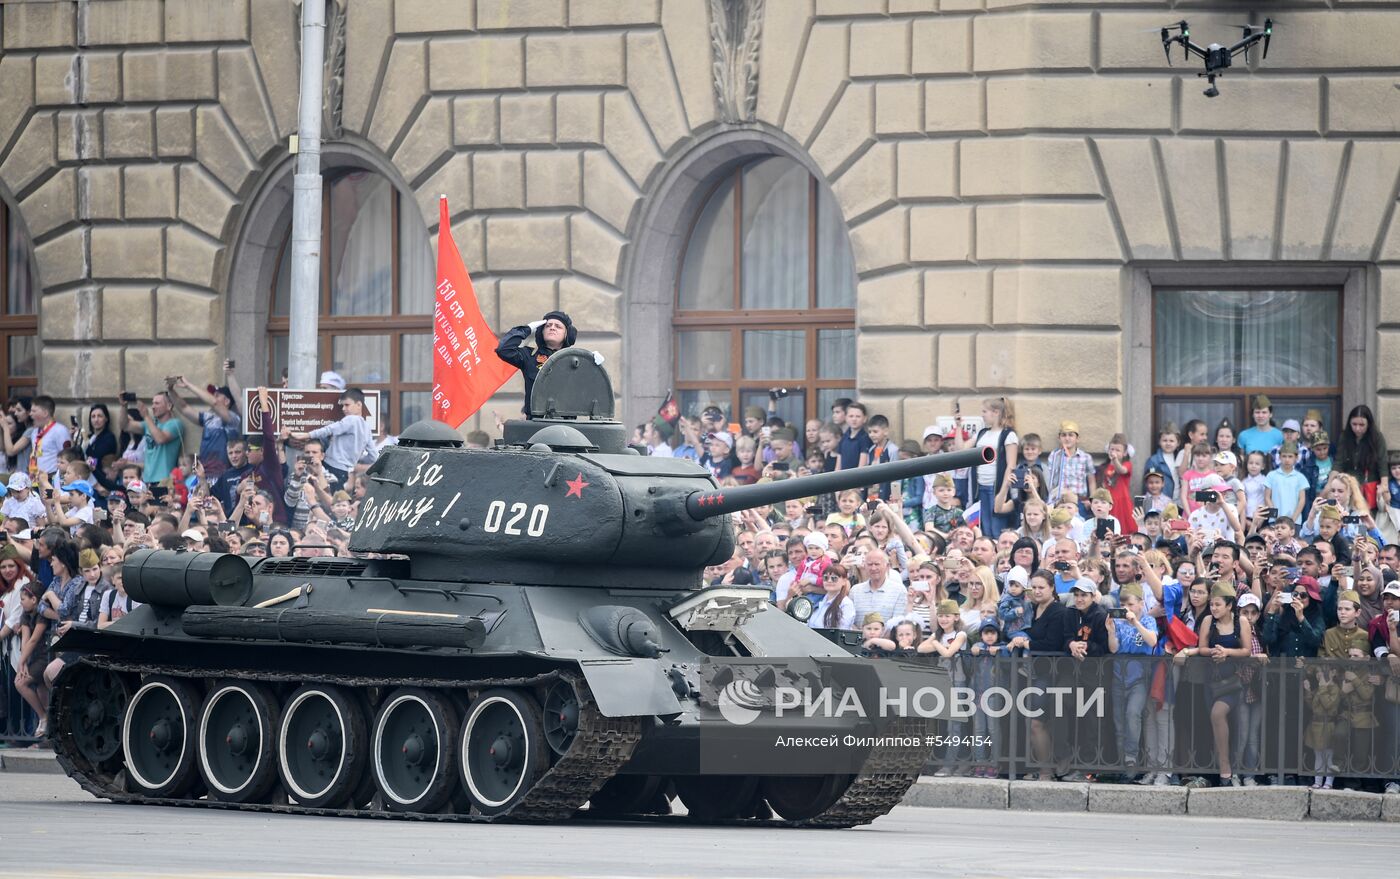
(1017, 179)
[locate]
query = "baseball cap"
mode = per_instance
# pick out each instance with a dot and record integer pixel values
(332, 379)
(1391, 589)
(1310, 586)
(18, 482)
(1226, 457)
(1321, 439)
(1084, 586)
(988, 623)
(79, 485)
(1292, 424)
(1249, 599)
(26, 534)
(192, 534)
(136, 487)
(932, 430)
(722, 437)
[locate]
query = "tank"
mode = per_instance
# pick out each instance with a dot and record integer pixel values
(522, 634)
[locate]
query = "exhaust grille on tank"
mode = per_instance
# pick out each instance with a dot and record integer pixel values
(311, 567)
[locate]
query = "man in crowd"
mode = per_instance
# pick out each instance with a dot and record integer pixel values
(882, 591)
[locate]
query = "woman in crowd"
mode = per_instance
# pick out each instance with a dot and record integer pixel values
(1361, 452)
(982, 597)
(1226, 639)
(14, 575)
(923, 594)
(281, 545)
(101, 440)
(834, 610)
(1225, 437)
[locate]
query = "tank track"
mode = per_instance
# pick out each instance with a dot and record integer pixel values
(601, 746)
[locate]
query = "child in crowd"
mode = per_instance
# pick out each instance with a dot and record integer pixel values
(1287, 489)
(1163, 461)
(1323, 698)
(1254, 483)
(1157, 494)
(847, 513)
(1061, 524)
(986, 649)
(33, 654)
(1132, 633)
(1035, 520)
(1115, 477)
(1102, 521)
(1013, 607)
(1231, 488)
(1217, 519)
(1200, 477)
(944, 514)
(872, 627)
(1070, 468)
(1322, 462)
(1338, 641)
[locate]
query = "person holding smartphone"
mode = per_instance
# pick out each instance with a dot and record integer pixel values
(44, 439)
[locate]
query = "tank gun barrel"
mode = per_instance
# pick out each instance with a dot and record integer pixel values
(707, 504)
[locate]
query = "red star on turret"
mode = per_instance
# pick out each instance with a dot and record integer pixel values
(719, 498)
(576, 487)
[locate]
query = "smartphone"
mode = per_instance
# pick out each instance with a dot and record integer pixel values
(812, 510)
(780, 465)
(1061, 566)
(1349, 571)
(872, 506)
(5, 536)
(1103, 528)
(128, 397)
(1329, 502)
(1206, 496)
(48, 494)
(1393, 616)
(73, 420)
(1285, 598)
(1118, 613)
(229, 364)
(1291, 575)
(1140, 501)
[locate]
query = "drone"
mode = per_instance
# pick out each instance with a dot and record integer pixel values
(1216, 56)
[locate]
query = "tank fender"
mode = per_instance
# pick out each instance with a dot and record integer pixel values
(630, 687)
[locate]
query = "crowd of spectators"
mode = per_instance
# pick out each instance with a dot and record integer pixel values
(83, 492)
(1182, 577)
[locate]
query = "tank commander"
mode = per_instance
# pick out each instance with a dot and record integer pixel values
(553, 333)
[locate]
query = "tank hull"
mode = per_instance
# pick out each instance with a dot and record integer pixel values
(656, 713)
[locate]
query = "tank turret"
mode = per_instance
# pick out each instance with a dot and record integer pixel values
(562, 501)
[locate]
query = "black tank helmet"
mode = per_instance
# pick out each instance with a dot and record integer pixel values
(570, 333)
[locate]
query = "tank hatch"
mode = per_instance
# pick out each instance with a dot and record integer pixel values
(572, 385)
(563, 438)
(428, 434)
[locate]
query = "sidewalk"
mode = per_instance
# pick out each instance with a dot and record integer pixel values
(40, 760)
(1275, 803)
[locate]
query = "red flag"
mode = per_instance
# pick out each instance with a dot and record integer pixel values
(466, 370)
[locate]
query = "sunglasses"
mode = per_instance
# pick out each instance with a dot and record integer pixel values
(831, 576)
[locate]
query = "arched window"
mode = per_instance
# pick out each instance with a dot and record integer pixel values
(765, 296)
(19, 320)
(376, 294)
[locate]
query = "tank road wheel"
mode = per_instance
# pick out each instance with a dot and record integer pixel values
(322, 746)
(800, 797)
(158, 737)
(716, 797)
(98, 698)
(560, 717)
(415, 749)
(503, 751)
(237, 728)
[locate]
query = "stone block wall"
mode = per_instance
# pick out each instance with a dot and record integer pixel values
(1003, 165)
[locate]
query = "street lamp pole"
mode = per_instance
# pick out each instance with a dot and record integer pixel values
(302, 360)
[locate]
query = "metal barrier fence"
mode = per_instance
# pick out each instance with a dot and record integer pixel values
(17, 719)
(1050, 715)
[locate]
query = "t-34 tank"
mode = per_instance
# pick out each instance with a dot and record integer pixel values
(522, 634)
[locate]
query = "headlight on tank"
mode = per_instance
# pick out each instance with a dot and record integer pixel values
(801, 607)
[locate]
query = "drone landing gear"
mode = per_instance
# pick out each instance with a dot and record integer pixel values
(1211, 91)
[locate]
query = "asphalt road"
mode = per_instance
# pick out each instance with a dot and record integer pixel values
(50, 828)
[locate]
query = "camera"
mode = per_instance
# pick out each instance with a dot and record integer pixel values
(128, 397)
(777, 393)
(1206, 496)
(1061, 566)
(1118, 613)
(1351, 520)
